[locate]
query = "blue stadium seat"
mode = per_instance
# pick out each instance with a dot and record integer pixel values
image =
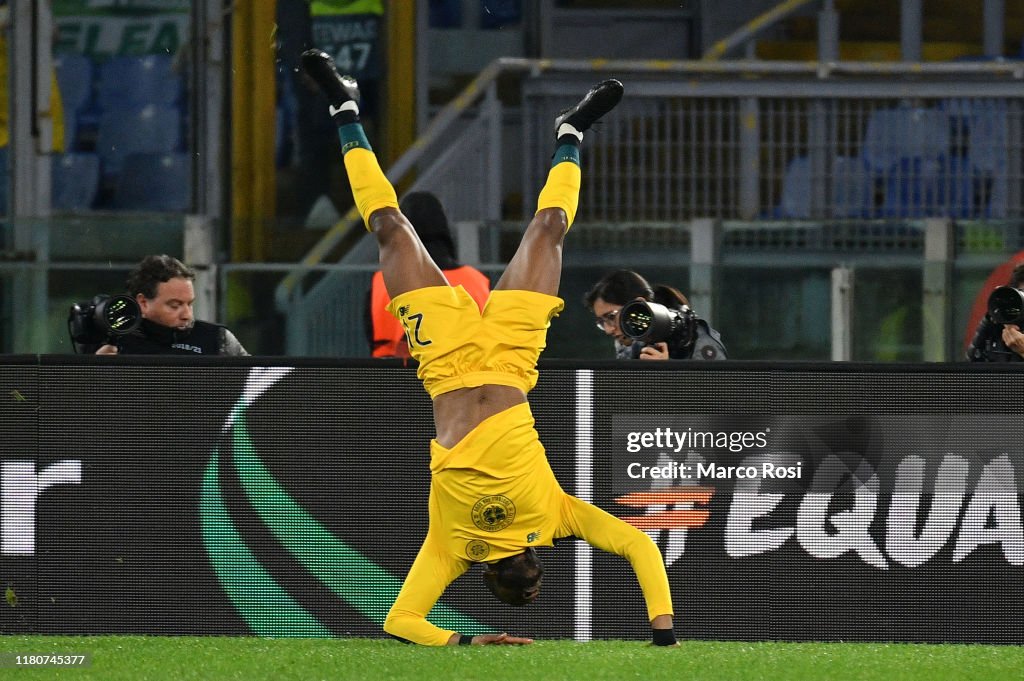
(139, 80)
(75, 81)
(988, 132)
(796, 190)
(853, 192)
(75, 181)
(74, 77)
(155, 182)
(852, 189)
(906, 150)
(894, 135)
(981, 128)
(959, 189)
(149, 129)
(915, 188)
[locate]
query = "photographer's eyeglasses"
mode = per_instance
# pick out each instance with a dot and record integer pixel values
(607, 320)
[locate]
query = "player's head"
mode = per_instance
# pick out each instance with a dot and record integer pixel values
(425, 212)
(515, 580)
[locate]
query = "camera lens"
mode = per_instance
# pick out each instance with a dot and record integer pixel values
(635, 319)
(118, 315)
(1006, 305)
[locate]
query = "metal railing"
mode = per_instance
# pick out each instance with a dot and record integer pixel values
(768, 287)
(765, 285)
(750, 30)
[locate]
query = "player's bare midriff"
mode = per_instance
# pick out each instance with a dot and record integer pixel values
(458, 412)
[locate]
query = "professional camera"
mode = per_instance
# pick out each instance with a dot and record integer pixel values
(103, 319)
(649, 323)
(1006, 305)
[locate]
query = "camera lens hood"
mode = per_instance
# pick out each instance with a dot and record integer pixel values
(1006, 305)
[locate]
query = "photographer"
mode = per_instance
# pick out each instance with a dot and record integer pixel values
(162, 286)
(611, 293)
(995, 342)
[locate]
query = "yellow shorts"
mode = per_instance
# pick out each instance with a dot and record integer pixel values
(457, 346)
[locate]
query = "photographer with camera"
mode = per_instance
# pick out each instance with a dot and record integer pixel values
(999, 337)
(650, 322)
(154, 319)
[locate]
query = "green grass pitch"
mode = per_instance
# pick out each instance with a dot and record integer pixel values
(211, 658)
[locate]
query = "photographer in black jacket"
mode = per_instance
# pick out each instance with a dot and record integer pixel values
(999, 342)
(611, 293)
(162, 286)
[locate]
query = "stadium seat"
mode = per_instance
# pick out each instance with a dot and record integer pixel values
(906, 149)
(980, 130)
(852, 188)
(139, 80)
(987, 146)
(149, 129)
(155, 182)
(75, 181)
(75, 81)
(958, 188)
(915, 188)
(894, 135)
(987, 136)
(74, 77)
(796, 189)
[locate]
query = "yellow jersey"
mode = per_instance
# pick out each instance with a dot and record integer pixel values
(492, 496)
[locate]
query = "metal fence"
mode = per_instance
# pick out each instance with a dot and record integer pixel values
(767, 286)
(801, 150)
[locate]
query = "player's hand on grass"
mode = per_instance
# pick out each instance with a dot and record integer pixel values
(500, 640)
(661, 632)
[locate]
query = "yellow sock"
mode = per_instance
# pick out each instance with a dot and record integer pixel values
(562, 189)
(370, 187)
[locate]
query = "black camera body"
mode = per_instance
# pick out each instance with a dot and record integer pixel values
(648, 323)
(103, 319)
(1006, 305)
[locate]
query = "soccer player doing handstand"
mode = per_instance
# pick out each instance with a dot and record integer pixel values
(493, 496)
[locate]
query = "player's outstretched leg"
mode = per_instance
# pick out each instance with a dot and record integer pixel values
(537, 264)
(404, 261)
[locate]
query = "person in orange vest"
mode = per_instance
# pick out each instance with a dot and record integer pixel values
(424, 210)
